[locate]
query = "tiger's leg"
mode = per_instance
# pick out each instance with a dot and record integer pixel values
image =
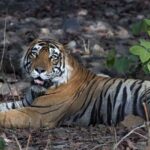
(25, 118)
(45, 111)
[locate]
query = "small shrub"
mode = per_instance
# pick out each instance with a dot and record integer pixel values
(139, 56)
(121, 64)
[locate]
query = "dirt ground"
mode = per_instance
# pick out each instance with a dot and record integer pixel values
(90, 28)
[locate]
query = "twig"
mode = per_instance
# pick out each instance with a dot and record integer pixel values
(101, 145)
(132, 131)
(13, 68)
(47, 144)
(4, 45)
(29, 138)
(147, 115)
(146, 138)
(86, 46)
(19, 145)
(98, 146)
(146, 111)
(115, 134)
(2, 58)
(147, 122)
(9, 87)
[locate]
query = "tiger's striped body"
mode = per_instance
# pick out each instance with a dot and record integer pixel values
(66, 92)
(110, 100)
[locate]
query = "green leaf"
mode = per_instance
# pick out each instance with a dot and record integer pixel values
(148, 66)
(141, 26)
(136, 28)
(133, 58)
(147, 21)
(121, 64)
(110, 60)
(148, 32)
(141, 52)
(136, 50)
(145, 56)
(145, 44)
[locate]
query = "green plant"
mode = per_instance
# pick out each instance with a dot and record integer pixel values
(142, 48)
(139, 57)
(2, 144)
(143, 26)
(121, 64)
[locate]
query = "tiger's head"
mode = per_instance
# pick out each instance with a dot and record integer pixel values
(46, 63)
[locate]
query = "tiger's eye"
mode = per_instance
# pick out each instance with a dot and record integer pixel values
(33, 55)
(55, 61)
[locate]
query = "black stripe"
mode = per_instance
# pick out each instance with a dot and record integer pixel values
(13, 105)
(26, 64)
(63, 61)
(105, 92)
(101, 99)
(124, 100)
(109, 110)
(144, 97)
(93, 114)
(117, 92)
(137, 82)
(133, 85)
(75, 118)
(100, 120)
(7, 106)
(87, 97)
(23, 103)
(135, 112)
(28, 103)
(60, 59)
(107, 81)
(118, 115)
(81, 90)
(42, 44)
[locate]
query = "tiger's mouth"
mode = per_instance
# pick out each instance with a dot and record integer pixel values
(40, 82)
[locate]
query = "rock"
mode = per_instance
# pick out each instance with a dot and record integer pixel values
(98, 50)
(110, 13)
(140, 17)
(83, 12)
(122, 33)
(131, 121)
(45, 30)
(72, 44)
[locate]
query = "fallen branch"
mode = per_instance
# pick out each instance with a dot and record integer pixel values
(132, 131)
(19, 145)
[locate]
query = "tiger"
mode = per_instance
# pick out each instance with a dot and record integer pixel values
(63, 91)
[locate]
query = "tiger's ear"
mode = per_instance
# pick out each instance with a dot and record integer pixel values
(32, 43)
(30, 36)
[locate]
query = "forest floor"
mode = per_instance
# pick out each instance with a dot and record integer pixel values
(90, 29)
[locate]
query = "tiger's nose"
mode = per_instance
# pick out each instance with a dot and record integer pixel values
(40, 69)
